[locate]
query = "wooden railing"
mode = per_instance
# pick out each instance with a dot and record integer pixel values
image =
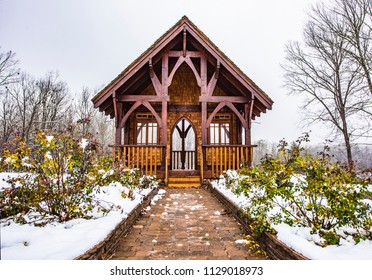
(222, 158)
(189, 160)
(147, 158)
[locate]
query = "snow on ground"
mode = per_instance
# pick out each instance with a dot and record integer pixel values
(241, 241)
(6, 176)
(302, 241)
(63, 241)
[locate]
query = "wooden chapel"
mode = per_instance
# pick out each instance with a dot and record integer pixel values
(183, 110)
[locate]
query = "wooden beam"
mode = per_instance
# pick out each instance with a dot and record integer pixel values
(230, 80)
(192, 66)
(250, 113)
(118, 130)
(203, 75)
(232, 99)
(248, 140)
(164, 73)
(154, 79)
(129, 112)
(180, 60)
(192, 54)
(184, 42)
(237, 113)
(164, 109)
(216, 110)
(151, 109)
(133, 81)
(114, 101)
(213, 82)
(232, 108)
(149, 98)
(185, 108)
(106, 105)
(204, 122)
(135, 106)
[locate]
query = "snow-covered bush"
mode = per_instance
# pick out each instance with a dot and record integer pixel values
(15, 156)
(60, 181)
(232, 179)
(307, 191)
(63, 174)
(131, 178)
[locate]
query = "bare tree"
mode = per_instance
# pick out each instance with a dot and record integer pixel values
(8, 119)
(356, 15)
(26, 103)
(85, 111)
(94, 123)
(54, 99)
(9, 70)
(29, 105)
(104, 129)
(323, 70)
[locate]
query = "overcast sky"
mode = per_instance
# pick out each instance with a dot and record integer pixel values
(91, 41)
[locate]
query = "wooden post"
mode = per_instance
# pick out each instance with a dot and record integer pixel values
(164, 113)
(248, 109)
(184, 42)
(204, 91)
(118, 128)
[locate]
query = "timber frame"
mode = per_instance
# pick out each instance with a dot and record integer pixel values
(159, 83)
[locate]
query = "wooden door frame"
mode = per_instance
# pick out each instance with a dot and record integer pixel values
(171, 142)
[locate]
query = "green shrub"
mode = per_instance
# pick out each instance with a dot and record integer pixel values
(303, 190)
(60, 182)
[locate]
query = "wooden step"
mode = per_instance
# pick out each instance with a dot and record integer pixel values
(183, 182)
(185, 179)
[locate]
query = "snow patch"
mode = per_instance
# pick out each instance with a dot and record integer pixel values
(241, 241)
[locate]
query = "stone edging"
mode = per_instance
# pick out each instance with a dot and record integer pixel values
(106, 247)
(274, 248)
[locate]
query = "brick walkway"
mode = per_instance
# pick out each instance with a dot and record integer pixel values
(187, 223)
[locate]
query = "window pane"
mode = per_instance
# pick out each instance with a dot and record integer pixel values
(225, 133)
(211, 134)
(139, 133)
(219, 133)
(143, 134)
(147, 133)
(150, 130)
(155, 134)
(216, 133)
(190, 140)
(243, 135)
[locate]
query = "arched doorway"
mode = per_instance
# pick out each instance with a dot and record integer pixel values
(183, 156)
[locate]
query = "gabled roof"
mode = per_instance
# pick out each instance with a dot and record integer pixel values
(138, 69)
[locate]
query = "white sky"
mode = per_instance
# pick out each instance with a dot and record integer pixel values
(91, 41)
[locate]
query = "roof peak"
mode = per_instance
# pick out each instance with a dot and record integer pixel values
(184, 19)
(203, 42)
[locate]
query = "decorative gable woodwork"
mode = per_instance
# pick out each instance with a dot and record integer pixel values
(184, 75)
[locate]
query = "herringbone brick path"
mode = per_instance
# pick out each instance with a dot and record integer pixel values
(187, 223)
